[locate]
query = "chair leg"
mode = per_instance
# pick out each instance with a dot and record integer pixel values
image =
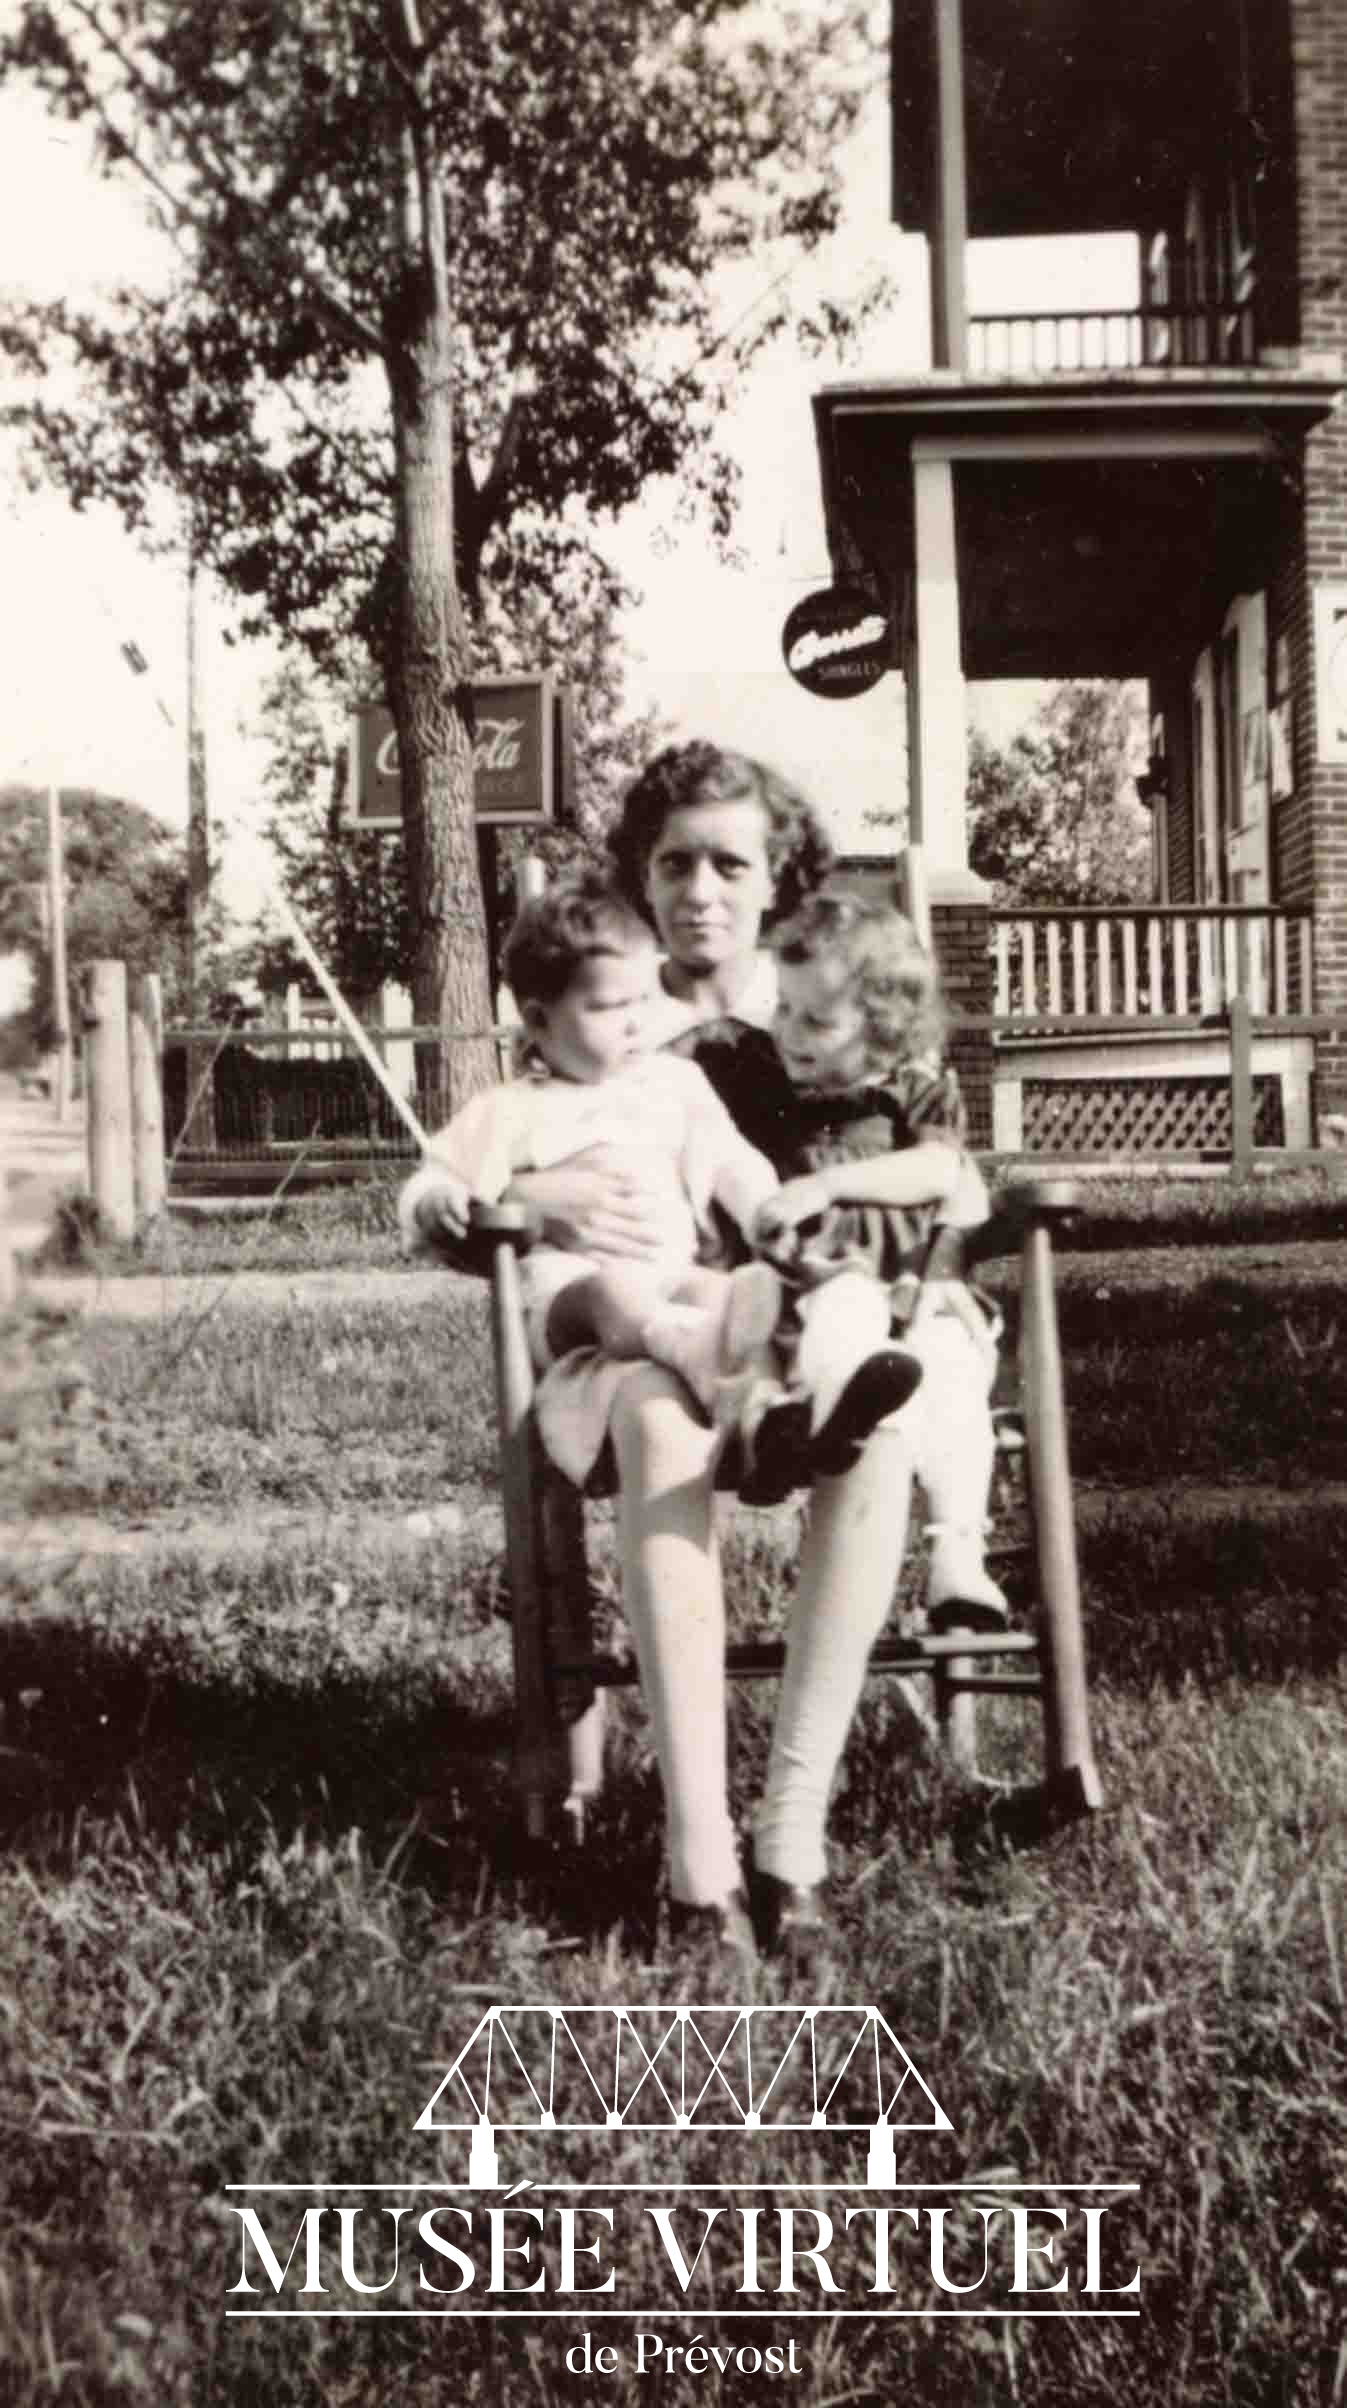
(523, 1538)
(1071, 1769)
(580, 1706)
(956, 1713)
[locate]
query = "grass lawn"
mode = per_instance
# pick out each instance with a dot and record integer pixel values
(259, 1876)
(355, 1227)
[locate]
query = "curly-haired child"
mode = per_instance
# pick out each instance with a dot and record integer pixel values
(872, 1160)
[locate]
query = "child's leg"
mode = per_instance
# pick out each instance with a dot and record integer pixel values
(849, 1568)
(708, 1326)
(953, 1450)
(848, 1366)
(671, 1588)
(607, 1308)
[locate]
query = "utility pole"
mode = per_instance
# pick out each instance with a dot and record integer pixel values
(60, 995)
(198, 810)
(200, 1125)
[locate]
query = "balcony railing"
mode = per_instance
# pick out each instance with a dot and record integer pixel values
(1060, 342)
(1151, 961)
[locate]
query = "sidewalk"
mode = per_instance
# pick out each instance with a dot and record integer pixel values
(158, 1295)
(41, 1161)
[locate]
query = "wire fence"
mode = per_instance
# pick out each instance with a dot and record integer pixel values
(242, 1105)
(302, 1108)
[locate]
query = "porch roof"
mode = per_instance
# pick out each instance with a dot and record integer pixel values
(1101, 520)
(1082, 117)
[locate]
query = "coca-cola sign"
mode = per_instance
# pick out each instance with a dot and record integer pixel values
(513, 768)
(837, 642)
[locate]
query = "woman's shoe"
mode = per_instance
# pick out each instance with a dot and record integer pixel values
(723, 1928)
(791, 1921)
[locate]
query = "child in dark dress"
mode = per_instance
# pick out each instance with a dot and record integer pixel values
(873, 1157)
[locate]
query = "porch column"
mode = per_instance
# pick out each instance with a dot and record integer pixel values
(937, 735)
(937, 760)
(949, 194)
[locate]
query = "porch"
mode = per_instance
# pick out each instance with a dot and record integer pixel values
(1173, 1033)
(1144, 961)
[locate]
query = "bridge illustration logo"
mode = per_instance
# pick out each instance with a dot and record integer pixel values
(667, 2069)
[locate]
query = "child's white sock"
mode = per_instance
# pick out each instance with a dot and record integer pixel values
(957, 1577)
(845, 1321)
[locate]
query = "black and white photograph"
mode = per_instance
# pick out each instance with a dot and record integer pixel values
(673, 1220)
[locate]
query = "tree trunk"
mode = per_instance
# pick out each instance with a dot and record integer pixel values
(426, 668)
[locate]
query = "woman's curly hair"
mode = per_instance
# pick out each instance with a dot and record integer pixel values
(683, 775)
(893, 976)
(579, 916)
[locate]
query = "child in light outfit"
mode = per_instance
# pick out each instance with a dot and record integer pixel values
(873, 1160)
(583, 970)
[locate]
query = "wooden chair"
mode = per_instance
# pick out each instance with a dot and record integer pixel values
(559, 1680)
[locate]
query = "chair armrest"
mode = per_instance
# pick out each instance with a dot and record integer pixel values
(1051, 1204)
(492, 1225)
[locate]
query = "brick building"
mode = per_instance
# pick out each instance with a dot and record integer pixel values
(1158, 491)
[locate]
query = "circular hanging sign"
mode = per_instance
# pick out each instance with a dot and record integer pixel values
(836, 642)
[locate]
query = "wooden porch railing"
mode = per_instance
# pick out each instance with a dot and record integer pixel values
(1060, 342)
(1151, 960)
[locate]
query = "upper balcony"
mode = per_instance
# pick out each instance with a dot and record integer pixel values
(1174, 123)
(1015, 344)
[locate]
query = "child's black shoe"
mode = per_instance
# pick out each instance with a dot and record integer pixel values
(878, 1386)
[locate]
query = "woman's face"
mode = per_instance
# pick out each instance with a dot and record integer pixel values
(708, 882)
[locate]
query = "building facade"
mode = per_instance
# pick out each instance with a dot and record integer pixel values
(1157, 491)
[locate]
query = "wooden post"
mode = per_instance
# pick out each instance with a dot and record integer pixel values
(1072, 1773)
(1241, 1088)
(146, 1037)
(107, 1056)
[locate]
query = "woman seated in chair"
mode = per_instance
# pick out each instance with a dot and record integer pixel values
(583, 969)
(713, 848)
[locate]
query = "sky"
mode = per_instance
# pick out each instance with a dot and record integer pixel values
(704, 638)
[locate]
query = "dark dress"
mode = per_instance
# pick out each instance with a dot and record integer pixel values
(800, 1130)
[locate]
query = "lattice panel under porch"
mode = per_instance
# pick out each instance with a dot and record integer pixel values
(1142, 1116)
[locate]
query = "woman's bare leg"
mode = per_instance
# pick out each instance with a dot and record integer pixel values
(671, 1586)
(848, 1574)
